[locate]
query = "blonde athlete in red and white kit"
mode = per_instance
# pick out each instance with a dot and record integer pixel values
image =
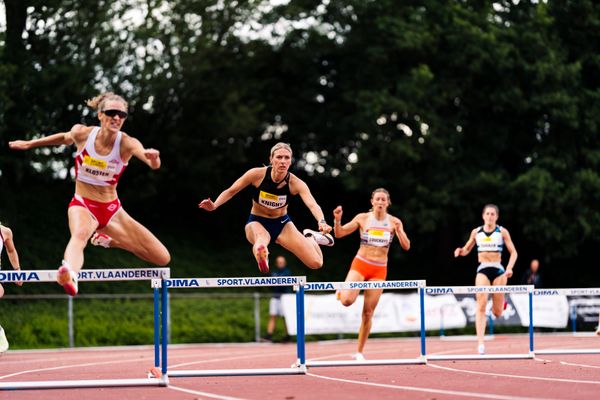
(272, 188)
(6, 241)
(102, 155)
(377, 229)
(490, 239)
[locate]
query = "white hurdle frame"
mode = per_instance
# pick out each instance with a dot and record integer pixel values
(299, 368)
(96, 275)
(487, 289)
(567, 292)
(372, 285)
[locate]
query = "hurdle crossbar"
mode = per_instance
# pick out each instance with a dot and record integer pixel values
(299, 370)
(92, 383)
(433, 290)
(374, 285)
(98, 275)
(567, 292)
(297, 282)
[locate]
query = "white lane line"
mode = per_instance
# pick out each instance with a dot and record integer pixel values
(74, 366)
(537, 378)
(579, 365)
(204, 394)
(431, 390)
(237, 357)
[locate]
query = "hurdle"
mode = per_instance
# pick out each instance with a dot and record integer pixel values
(96, 275)
(567, 292)
(486, 289)
(299, 368)
(372, 285)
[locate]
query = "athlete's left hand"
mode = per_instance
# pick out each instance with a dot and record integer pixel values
(324, 227)
(151, 154)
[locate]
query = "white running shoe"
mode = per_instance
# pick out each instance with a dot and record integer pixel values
(322, 239)
(100, 239)
(67, 278)
(358, 357)
(481, 349)
(3, 341)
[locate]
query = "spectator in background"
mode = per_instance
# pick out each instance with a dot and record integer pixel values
(275, 306)
(6, 239)
(531, 276)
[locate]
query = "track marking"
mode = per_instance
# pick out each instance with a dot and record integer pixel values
(430, 390)
(538, 378)
(579, 365)
(237, 357)
(204, 394)
(74, 366)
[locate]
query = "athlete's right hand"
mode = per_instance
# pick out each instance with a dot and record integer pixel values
(457, 251)
(337, 214)
(207, 204)
(19, 145)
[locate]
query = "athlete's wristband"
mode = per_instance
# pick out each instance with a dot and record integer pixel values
(322, 221)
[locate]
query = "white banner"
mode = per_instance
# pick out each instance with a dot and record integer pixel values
(394, 313)
(548, 311)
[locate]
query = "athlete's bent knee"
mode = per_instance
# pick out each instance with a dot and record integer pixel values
(314, 264)
(162, 258)
(346, 302)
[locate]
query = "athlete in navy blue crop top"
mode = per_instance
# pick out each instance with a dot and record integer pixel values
(272, 187)
(490, 239)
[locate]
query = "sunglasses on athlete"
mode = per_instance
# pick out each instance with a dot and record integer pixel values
(114, 113)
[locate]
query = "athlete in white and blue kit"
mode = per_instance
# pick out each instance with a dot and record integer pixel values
(272, 188)
(490, 239)
(6, 240)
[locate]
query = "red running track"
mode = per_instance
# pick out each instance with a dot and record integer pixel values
(545, 377)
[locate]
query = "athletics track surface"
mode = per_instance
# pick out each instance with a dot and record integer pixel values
(545, 377)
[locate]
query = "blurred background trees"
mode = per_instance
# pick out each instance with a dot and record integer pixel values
(448, 104)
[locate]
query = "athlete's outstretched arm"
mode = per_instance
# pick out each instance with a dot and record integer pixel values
(250, 176)
(402, 236)
(340, 230)
(512, 250)
(151, 157)
(57, 139)
(466, 249)
(302, 189)
(11, 250)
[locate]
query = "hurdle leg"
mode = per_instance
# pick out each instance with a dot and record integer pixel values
(156, 329)
(164, 306)
(300, 339)
(531, 323)
(422, 307)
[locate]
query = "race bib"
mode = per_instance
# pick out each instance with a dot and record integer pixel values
(271, 200)
(378, 237)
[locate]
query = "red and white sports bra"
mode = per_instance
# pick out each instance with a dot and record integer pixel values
(94, 169)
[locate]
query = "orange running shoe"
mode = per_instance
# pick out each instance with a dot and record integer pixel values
(262, 258)
(67, 279)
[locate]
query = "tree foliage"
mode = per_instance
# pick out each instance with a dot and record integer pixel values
(448, 104)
